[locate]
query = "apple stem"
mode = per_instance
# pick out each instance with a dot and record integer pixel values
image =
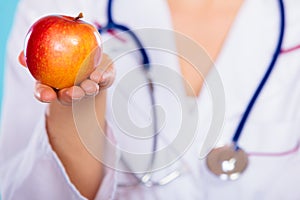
(79, 16)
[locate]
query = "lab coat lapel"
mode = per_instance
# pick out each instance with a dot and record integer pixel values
(138, 101)
(245, 57)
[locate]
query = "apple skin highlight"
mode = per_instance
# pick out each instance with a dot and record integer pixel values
(62, 51)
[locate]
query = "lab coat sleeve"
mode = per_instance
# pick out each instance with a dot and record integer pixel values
(29, 168)
(37, 173)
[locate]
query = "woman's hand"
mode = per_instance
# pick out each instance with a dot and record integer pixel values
(83, 168)
(101, 78)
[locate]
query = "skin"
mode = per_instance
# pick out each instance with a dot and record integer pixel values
(213, 19)
(84, 170)
(207, 22)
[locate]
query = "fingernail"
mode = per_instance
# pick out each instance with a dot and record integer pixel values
(76, 97)
(105, 76)
(39, 96)
(71, 95)
(96, 76)
(92, 90)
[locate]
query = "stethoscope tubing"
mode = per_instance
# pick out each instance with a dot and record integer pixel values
(111, 24)
(266, 76)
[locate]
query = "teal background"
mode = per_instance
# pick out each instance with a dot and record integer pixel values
(7, 9)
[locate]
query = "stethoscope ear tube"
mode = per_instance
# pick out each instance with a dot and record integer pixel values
(266, 76)
(111, 24)
(232, 158)
(228, 162)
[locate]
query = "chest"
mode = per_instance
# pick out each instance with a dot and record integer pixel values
(208, 26)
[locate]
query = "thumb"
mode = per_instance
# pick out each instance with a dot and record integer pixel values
(22, 59)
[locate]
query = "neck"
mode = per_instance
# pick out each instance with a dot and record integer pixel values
(205, 3)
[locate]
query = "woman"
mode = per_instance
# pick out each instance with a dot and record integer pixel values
(42, 156)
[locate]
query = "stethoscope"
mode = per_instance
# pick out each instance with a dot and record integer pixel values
(226, 162)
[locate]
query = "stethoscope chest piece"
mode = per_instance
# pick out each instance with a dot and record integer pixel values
(226, 162)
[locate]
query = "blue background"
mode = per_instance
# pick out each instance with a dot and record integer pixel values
(7, 9)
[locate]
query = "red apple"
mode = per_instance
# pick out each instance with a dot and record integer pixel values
(62, 51)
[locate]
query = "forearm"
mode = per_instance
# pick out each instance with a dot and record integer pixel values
(66, 134)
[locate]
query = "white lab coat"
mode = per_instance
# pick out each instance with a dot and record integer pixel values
(29, 169)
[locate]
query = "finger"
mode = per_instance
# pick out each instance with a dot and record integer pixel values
(105, 65)
(22, 59)
(107, 79)
(90, 87)
(96, 75)
(69, 95)
(44, 93)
